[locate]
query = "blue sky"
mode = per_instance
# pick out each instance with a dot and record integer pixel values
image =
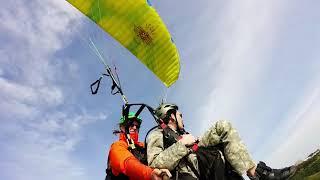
(254, 63)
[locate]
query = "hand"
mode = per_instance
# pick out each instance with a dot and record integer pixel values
(187, 140)
(160, 174)
(165, 173)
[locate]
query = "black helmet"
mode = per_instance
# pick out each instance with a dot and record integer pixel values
(162, 111)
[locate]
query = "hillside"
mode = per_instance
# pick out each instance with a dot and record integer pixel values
(309, 169)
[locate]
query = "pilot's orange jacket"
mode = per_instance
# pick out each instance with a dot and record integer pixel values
(122, 161)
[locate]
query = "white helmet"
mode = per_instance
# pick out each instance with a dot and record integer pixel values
(162, 111)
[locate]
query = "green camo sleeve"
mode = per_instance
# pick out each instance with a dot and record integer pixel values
(158, 157)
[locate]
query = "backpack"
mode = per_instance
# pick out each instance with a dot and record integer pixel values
(211, 163)
(213, 166)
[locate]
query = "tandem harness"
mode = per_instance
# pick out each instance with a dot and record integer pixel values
(211, 163)
(138, 152)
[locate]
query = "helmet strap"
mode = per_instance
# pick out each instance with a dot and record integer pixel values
(179, 130)
(128, 138)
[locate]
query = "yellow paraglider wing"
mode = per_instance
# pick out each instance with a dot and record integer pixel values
(139, 28)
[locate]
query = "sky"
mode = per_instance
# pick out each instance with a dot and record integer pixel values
(254, 63)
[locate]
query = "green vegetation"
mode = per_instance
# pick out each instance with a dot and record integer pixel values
(310, 169)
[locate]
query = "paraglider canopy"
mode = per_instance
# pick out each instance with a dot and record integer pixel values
(139, 28)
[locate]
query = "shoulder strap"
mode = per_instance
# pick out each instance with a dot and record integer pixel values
(170, 137)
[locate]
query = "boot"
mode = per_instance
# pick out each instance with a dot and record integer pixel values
(264, 172)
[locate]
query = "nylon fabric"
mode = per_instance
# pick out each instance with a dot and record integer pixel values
(123, 162)
(234, 150)
(139, 28)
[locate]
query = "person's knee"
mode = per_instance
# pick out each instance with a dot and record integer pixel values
(223, 126)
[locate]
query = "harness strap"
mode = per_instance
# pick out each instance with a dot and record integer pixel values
(170, 137)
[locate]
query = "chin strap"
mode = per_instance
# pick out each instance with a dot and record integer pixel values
(129, 139)
(181, 131)
(130, 142)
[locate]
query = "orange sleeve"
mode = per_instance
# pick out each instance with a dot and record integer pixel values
(141, 144)
(122, 161)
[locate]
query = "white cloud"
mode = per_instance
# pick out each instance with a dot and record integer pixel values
(43, 24)
(243, 56)
(37, 141)
(43, 149)
(298, 135)
(244, 35)
(16, 110)
(30, 95)
(38, 132)
(36, 30)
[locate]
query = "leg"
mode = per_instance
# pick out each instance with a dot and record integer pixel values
(264, 172)
(235, 151)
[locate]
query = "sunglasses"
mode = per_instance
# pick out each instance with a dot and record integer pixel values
(133, 123)
(180, 114)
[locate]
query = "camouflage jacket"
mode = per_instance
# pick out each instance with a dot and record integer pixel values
(171, 158)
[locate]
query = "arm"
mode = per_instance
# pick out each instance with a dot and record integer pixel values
(123, 161)
(158, 157)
